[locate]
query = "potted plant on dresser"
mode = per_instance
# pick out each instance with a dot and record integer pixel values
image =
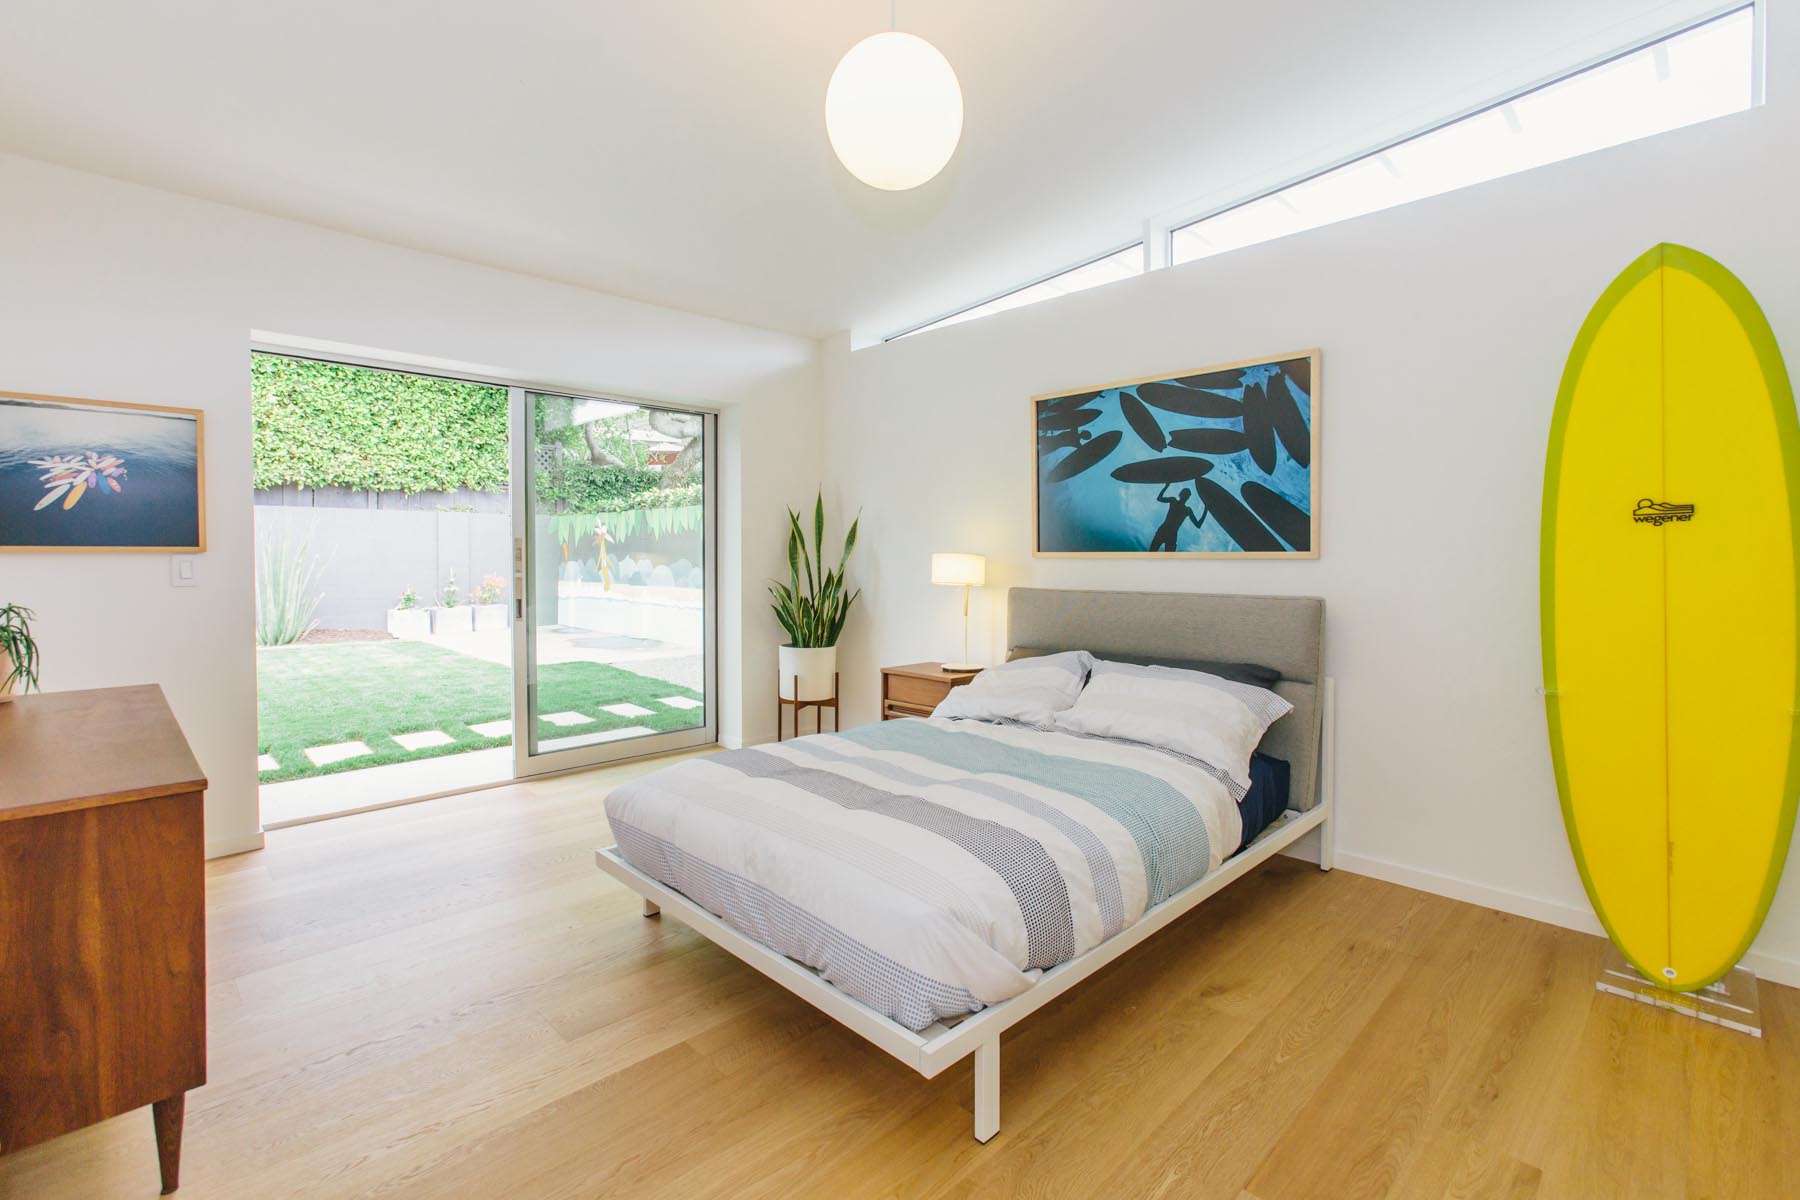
(812, 606)
(18, 651)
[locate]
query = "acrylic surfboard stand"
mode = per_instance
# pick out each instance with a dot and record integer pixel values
(1732, 1002)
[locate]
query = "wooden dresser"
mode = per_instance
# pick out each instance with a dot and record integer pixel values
(915, 689)
(102, 916)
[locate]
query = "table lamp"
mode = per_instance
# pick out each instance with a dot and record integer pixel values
(964, 571)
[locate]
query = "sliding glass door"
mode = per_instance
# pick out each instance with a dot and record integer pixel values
(614, 549)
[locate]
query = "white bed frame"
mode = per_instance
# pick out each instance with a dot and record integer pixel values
(937, 1046)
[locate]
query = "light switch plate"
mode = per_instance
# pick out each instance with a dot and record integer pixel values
(184, 571)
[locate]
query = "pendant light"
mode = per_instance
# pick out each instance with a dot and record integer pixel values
(893, 111)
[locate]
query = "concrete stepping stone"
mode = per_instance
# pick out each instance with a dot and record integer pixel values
(493, 728)
(681, 702)
(628, 710)
(566, 718)
(423, 740)
(324, 756)
(266, 762)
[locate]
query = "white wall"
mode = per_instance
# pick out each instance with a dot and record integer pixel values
(119, 292)
(1444, 326)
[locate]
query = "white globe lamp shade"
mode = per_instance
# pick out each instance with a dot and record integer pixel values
(894, 111)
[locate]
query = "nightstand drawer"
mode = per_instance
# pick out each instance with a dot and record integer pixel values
(910, 691)
(896, 708)
(916, 689)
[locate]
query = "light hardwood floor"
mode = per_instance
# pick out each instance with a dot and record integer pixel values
(449, 1000)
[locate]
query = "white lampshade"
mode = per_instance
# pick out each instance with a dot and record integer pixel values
(959, 570)
(893, 111)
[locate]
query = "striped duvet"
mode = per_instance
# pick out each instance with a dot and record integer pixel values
(928, 867)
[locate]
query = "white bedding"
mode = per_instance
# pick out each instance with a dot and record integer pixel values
(929, 867)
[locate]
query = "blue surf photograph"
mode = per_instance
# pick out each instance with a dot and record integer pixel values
(100, 475)
(1221, 462)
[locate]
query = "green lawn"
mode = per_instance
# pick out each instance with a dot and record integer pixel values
(369, 691)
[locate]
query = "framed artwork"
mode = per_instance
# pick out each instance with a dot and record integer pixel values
(1219, 463)
(100, 475)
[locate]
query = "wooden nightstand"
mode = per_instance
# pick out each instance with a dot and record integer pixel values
(915, 689)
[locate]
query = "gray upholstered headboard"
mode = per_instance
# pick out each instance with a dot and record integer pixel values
(1286, 633)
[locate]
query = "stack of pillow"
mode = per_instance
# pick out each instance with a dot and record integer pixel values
(1214, 714)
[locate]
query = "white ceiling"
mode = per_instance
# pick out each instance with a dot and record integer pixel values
(675, 150)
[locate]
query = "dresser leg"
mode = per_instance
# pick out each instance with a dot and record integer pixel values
(168, 1114)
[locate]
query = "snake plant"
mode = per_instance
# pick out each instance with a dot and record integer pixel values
(813, 605)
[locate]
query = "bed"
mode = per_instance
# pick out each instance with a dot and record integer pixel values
(930, 883)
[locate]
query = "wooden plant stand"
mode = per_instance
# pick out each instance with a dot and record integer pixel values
(819, 707)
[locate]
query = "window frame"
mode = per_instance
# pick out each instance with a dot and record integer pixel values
(1140, 243)
(1157, 242)
(1165, 227)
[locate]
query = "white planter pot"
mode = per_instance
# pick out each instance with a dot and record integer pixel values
(816, 668)
(409, 622)
(490, 616)
(452, 620)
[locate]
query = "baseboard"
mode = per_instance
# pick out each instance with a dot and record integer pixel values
(1774, 967)
(242, 844)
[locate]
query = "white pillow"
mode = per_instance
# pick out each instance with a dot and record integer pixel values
(1218, 721)
(1030, 691)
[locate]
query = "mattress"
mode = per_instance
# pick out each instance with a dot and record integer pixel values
(1267, 798)
(929, 868)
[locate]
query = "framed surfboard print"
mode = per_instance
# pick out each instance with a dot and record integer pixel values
(100, 475)
(1222, 462)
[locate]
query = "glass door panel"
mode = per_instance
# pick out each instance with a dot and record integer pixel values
(613, 564)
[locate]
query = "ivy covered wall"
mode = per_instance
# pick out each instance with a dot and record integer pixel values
(319, 424)
(328, 425)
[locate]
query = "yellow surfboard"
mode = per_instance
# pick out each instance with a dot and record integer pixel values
(1671, 524)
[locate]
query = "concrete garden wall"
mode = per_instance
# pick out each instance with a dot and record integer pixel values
(461, 500)
(369, 555)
